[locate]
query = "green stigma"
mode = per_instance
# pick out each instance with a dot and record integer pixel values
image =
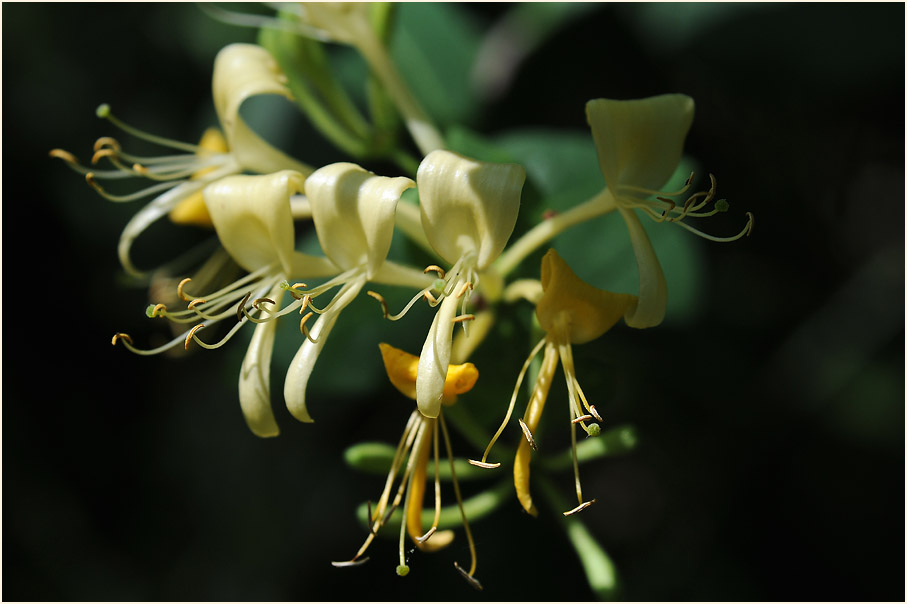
(722, 205)
(593, 430)
(103, 110)
(149, 311)
(402, 570)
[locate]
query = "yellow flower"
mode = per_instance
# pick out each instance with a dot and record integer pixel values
(418, 443)
(571, 312)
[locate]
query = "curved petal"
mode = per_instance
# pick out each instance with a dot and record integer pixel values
(640, 142)
(252, 217)
(572, 305)
(353, 211)
(468, 205)
(242, 71)
(402, 368)
(653, 290)
(435, 359)
(294, 388)
(342, 21)
(255, 377)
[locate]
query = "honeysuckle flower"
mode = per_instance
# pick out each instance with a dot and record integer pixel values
(639, 145)
(571, 312)
(241, 71)
(469, 209)
(419, 442)
(353, 211)
(252, 218)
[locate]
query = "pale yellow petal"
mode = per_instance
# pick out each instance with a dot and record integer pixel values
(653, 289)
(468, 206)
(255, 377)
(640, 142)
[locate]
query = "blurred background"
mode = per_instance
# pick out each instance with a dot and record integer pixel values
(769, 406)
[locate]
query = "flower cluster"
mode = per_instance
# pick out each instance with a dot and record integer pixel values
(251, 195)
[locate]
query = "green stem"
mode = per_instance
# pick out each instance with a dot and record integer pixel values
(600, 204)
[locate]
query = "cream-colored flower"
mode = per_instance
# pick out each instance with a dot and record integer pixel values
(469, 209)
(571, 312)
(639, 145)
(241, 71)
(252, 218)
(353, 211)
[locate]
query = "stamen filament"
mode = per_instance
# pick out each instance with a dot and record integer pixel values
(456, 486)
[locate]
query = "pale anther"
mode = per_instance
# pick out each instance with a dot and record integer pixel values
(462, 290)
(428, 296)
(595, 414)
(140, 169)
(89, 178)
(582, 418)
(482, 464)
(191, 334)
(350, 563)
(425, 537)
(195, 303)
(579, 508)
(463, 318)
(528, 435)
(304, 329)
(106, 141)
(101, 154)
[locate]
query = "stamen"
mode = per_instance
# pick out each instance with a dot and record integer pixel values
(258, 302)
(463, 318)
(305, 330)
(137, 167)
(579, 508)
(462, 290)
(481, 464)
(381, 300)
(157, 310)
(435, 268)
(64, 155)
(195, 303)
(107, 142)
(595, 414)
(242, 306)
(528, 435)
(350, 563)
(192, 334)
(456, 486)
(431, 299)
(583, 418)
(428, 534)
(101, 154)
(179, 290)
(469, 578)
(121, 336)
(103, 111)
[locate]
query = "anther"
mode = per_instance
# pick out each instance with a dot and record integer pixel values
(179, 290)
(690, 179)
(463, 318)
(101, 154)
(528, 435)
(462, 290)
(257, 304)
(192, 333)
(482, 464)
(106, 142)
(549, 214)
(89, 178)
(158, 310)
(595, 414)
(380, 299)
(579, 508)
(435, 268)
(121, 336)
(304, 329)
(242, 306)
(195, 303)
(140, 169)
(426, 536)
(64, 155)
(349, 563)
(469, 578)
(752, 219)
(428, 296)
(580, 419)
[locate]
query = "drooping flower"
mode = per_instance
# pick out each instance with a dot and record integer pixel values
(469, 209)
(639, 145)
(419, 443)
(571, 312)
(353, 211)
(241, 71)
(253, 221)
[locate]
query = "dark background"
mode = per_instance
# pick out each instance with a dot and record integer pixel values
(771, 465)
